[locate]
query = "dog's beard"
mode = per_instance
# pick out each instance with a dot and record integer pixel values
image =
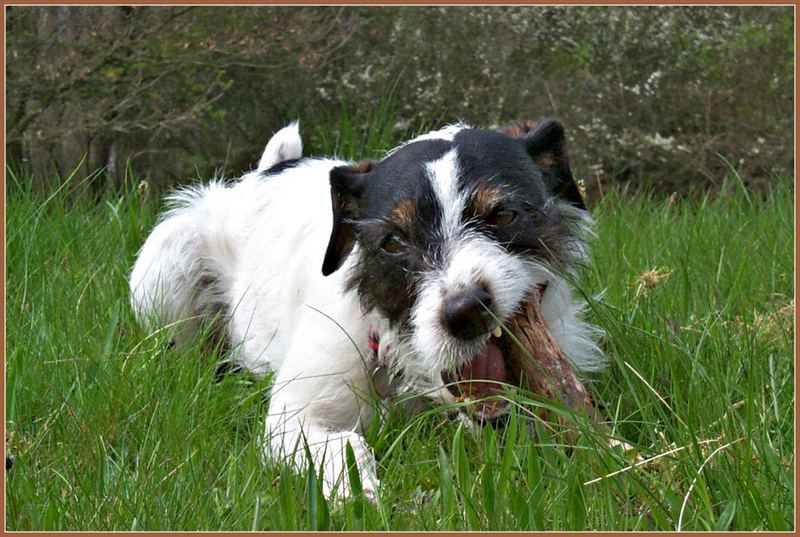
(431, 354)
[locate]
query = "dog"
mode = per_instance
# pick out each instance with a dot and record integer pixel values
(352, 281)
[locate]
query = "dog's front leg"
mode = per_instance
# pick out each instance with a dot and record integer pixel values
(289, 438)
(320, 400)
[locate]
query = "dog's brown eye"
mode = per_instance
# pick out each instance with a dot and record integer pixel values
(393, 244)
(503, 217)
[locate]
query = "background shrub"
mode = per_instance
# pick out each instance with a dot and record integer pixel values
(656, 95)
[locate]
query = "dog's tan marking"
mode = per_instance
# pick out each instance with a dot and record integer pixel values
(545, 159)
(362, 167)
(403, 214)
(519, 129)
(486, 199)
(349, 204)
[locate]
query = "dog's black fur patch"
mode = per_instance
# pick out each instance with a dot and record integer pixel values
(281, 167)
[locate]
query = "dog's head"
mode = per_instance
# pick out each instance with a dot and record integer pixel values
(450, 233)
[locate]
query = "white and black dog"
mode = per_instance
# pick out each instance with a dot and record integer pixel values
(354, 279)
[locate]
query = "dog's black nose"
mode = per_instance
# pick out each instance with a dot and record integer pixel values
(466, 313)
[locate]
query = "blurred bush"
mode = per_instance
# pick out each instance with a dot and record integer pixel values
(662, 96)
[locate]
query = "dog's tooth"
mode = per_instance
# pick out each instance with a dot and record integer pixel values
(497, 332)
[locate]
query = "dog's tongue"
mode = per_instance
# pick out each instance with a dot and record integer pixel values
(488, 366)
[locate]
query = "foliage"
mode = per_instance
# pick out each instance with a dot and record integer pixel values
(138, 83)
(647, 93)
(651, 96)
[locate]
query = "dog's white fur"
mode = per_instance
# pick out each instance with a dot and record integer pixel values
(251, 252)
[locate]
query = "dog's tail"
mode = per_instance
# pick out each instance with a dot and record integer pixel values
(284, 145)
(182, 273)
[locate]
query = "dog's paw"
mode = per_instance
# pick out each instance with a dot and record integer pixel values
(367, 473)
(337, 485)
(370, 491)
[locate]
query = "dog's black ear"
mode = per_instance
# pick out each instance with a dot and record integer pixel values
(347, 185)
(547, 145)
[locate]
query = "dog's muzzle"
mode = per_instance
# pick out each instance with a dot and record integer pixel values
(480, 384)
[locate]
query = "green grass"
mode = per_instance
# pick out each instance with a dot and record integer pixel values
(112, 429)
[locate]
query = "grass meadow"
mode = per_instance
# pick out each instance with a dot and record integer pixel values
(111, 429)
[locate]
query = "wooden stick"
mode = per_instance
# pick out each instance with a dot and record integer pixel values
(542, 367)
